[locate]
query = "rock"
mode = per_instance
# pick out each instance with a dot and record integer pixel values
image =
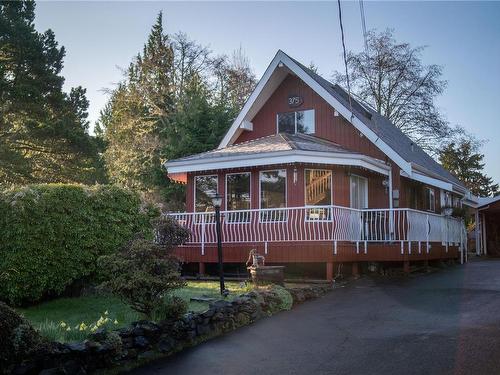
(25, 369)
(147, 355)
(166, 344)
(220, 304)
(52, 371)
(99, 335)
(203, 330)
(141, 342)
(208, 314)
(77, 347)
(73, 367)
(148, 328)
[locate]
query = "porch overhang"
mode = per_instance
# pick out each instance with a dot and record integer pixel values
(275, 158)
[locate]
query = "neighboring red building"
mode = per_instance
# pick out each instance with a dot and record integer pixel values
(308, 175)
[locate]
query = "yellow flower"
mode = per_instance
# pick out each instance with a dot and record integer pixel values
(63, 325)
(115, 322)
(68, 329)
(106, 312)
(83, 326)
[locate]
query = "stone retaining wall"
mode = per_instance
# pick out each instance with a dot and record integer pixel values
(146, 340)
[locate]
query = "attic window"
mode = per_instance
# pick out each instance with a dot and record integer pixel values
(296, 122)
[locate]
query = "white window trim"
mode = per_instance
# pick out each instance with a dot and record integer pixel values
(313, 206)
(432, 199)
(366, 192)
(295, 122)
(227, 196)
(286, 192)
(194, 187)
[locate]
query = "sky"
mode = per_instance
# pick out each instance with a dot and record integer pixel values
(101, 38)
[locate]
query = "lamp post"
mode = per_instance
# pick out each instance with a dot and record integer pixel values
(217, 201)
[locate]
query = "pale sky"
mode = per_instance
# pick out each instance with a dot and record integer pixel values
(463, 37)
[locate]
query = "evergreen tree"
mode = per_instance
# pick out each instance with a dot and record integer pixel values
(464, 160)
(43, 130)
(174, 101)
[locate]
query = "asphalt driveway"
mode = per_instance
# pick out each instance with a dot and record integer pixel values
(442, 323)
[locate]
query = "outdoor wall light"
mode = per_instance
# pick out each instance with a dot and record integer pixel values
(217, 200)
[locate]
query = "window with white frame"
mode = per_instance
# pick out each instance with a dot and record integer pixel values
(359, 192)
(205, 187)
(429, 199)
(318, 192)
(296, 122)
(238, 196)
(273, 194)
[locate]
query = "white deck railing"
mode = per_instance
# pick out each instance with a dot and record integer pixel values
(323, 223)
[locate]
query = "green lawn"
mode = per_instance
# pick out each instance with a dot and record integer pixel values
(61, 319)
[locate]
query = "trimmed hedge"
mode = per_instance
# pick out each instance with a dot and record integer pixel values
(52, 235)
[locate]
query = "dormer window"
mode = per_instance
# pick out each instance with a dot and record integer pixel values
(296, 122)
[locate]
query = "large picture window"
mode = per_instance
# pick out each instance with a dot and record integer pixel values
(359, 192)
(238, 196)
(318, 192)
(205, 187)
(296, 122)
(273, 194)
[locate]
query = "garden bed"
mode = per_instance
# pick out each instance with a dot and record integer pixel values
(142, 341)
(48, 317)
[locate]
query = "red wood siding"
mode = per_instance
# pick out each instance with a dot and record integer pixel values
(335, 129)
(377, 193)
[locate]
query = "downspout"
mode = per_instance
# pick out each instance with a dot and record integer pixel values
(478, 234)
(391, 212)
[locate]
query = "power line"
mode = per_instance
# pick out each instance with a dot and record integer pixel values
(345, 59)
(363, 23)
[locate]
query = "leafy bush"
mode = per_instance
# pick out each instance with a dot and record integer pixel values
(285, 297)
(53, 234)
(145, 272)
(17, 337)
(170, 309)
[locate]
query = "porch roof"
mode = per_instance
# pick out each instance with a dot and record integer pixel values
(276, 149)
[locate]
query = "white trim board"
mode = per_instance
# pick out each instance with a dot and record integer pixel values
(281, 57)
(281, 157)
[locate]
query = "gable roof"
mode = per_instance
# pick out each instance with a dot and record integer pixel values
(412, 160)
(384, 128)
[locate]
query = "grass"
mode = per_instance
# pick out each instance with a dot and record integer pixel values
(48, 317)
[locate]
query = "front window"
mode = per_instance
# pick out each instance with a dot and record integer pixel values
(273, 194)
(238, 196)
(430, 201)
(296, 122)
(359, 192)
(318, 192)
(205, 188)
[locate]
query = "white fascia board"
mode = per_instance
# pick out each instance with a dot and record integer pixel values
(429, 180)
(458, 188)
(235, 130)
(284, 157)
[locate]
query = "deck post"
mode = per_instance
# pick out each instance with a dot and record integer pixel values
(329, 271)
(406, 267)
(355, 269)
(201, 268)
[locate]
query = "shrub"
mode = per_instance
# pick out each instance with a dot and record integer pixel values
(145, 272)
(170, 309)
(17, 337)
(53, 234)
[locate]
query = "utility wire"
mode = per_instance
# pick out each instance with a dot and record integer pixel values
(345, 59)
(363, 23)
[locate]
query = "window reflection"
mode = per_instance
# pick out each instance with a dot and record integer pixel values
(273, 194)
(296, 122)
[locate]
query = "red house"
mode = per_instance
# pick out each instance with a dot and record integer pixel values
(309, 175)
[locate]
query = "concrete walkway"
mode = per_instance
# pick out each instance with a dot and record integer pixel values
(442, 323)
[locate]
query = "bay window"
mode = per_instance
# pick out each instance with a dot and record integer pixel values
(205, 187)
(318, 192)
(296, 122)
(238, 196)
(273, 194)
